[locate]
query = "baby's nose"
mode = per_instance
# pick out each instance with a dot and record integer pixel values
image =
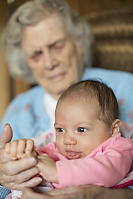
(69, 139)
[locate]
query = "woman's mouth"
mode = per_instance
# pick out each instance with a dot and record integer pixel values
(73, 155)
(57, 76)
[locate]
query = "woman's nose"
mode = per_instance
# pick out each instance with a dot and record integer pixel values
(49, 60)
(69, 139)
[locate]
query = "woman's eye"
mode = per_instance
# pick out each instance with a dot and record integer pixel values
(59, 130)
(59, 45)
(81, 129)
(36, 55)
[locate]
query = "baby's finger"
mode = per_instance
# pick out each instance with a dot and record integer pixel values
(29, 146)
(21, 147)
(7, 148)
(13, 148)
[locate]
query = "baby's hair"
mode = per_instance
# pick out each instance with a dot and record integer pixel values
(96, 90)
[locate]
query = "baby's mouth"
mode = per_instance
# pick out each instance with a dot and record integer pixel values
(73, 155)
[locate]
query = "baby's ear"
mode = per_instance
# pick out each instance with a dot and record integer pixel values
(116, 127)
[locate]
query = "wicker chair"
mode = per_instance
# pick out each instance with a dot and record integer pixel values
(113, 33)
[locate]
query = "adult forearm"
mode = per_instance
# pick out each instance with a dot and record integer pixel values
(115, 193)
(102, 193)
(80, 192)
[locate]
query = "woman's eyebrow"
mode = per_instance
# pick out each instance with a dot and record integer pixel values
(36, 52)
(57, 41)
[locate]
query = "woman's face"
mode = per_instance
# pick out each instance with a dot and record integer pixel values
(54, 58)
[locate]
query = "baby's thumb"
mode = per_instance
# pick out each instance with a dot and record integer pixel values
(6, 135)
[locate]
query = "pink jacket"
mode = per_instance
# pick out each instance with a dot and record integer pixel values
(106, 166)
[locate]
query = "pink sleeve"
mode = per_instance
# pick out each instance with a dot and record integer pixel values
(107, 168)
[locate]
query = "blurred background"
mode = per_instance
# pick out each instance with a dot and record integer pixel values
(112, 25)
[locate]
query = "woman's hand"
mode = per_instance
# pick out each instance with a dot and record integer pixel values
(17, 174)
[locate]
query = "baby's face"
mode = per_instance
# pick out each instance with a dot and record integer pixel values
(78, 128)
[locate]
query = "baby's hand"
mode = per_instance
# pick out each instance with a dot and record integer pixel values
(20, 148)
(47, 168)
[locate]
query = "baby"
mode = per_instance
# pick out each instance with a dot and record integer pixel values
(89, 148)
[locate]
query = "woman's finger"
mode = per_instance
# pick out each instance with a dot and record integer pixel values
(33, 182)
(6, 135)
(15, 167)
(28, 178)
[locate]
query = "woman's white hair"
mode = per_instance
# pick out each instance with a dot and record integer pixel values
(31, 13)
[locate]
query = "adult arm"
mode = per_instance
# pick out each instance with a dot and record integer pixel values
(80, 192)
(16, 174)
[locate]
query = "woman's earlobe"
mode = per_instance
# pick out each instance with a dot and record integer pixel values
(116, 127)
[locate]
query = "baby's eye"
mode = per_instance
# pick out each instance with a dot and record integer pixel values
(59, 130)
(81, 129)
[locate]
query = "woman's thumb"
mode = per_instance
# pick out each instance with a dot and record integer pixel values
(6, 135)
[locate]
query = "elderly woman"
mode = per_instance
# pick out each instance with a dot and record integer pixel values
(49, 44)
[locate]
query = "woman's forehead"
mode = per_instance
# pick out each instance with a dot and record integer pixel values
(46, 32)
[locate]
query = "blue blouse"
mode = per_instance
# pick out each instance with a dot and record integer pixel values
(27, 114)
